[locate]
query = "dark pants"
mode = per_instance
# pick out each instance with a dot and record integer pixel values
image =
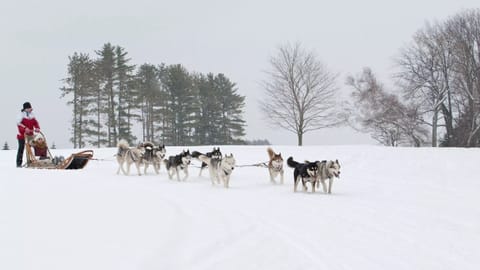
(21, 148)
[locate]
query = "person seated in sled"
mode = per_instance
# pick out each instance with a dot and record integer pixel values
(40, 146)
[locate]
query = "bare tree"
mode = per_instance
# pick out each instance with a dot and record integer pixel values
(427, 74)
(440, 70)
(299, 92)
(464, 30)
(382, 114)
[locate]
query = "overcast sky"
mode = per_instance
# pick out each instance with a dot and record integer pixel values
(236, 38)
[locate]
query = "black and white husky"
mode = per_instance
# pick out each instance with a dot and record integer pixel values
(215, 155)
(220, 170)
(152, 155)
(128, 155)
(305, 172)
(328, 170)
(179, 162)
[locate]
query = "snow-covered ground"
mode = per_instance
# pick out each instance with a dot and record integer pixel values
(393, 208)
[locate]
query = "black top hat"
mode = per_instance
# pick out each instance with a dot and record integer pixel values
(26, 105)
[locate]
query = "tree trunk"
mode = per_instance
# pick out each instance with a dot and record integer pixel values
(300, 138)
(447, 115)
(434, 128)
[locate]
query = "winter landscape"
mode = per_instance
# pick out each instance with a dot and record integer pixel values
(392, 208)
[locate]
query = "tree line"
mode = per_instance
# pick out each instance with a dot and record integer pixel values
(112, 99)
(439, 88)
(435, 99)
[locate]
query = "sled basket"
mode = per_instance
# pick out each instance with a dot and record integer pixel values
(76, 161)
(73, 162)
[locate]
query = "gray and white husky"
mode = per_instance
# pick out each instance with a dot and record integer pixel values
(153, 155)
(220, 171)
(128, 155)
(178, 163)
(215, 154)
(328, 170)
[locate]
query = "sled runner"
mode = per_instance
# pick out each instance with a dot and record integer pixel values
(41, 158)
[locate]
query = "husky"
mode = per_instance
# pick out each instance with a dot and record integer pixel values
(216, 156)
(275, 165)
(328, 170)
(128, 155)
(178, 162)
(306, 172)
(220, 170)
(153, 155)
(226, 168)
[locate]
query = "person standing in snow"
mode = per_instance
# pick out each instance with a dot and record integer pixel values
(26, 124)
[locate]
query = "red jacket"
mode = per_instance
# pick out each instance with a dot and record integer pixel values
(40, 150)
(26, 120)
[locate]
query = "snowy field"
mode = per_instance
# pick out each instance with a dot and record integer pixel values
(393, 208)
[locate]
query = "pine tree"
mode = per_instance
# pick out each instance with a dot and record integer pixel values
(206, 116)
(148, 98)
(106, 70)
(79, 85)
(5, 146)
(181, 107)
(53, 146)
(125, 86)
(231, 105)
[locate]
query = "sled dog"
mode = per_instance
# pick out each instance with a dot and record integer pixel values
(226, 168)
(153, 155)
(275, 165)
(328, 170)
(305, 172)
(220, 170)
(216, 156)
(176, 163)
(128, 155)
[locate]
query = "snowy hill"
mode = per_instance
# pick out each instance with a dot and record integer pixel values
(393, 208)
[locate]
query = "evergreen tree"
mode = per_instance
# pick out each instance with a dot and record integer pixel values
(106, 71)
(5, 146)
(230, 105)
(79, 84)
(148, 97)
(124, 84)
(207, 118)
(181, 105)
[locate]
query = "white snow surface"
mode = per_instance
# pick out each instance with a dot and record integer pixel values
(392, 208)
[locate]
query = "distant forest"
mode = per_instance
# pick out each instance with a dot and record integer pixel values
(112, 99)
(436, 100)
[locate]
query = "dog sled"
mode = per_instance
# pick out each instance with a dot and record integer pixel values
(42, 158)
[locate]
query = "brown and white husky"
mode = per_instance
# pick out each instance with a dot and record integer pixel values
(275, 165)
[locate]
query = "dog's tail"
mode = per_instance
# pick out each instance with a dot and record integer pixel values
(270, 152)
(291, 163)
(122, 146)
(196, 154)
